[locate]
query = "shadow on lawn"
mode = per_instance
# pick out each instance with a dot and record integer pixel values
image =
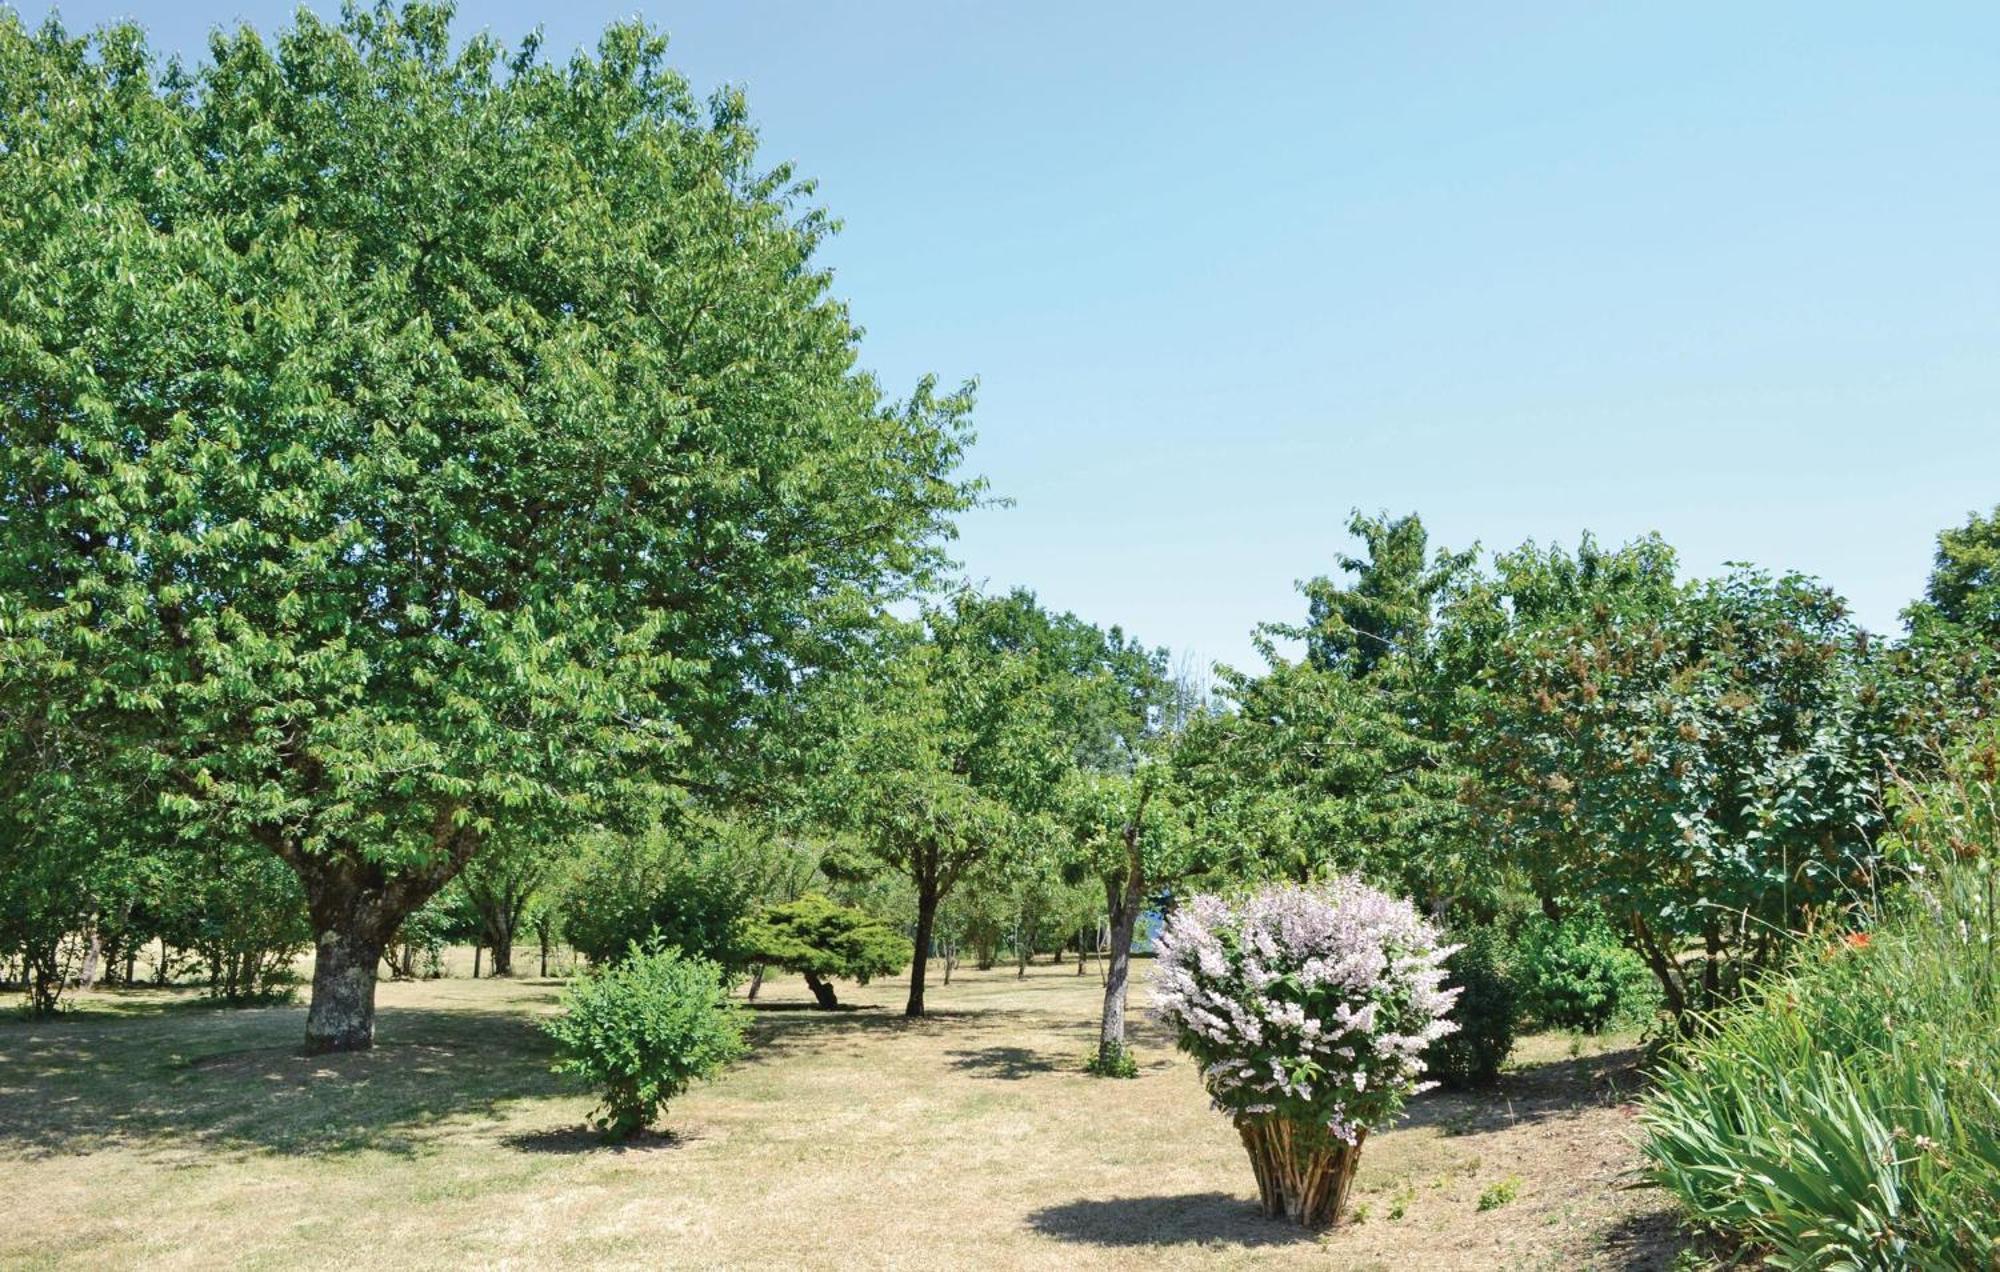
(238, 1079)
(1008, 1064)
(1549, 1091)
(1209, 1218)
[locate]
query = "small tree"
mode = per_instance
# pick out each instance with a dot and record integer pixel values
(644, 1029)
(820, 939)
(1309, 1010)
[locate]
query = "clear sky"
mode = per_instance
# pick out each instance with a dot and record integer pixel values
(1728, 272)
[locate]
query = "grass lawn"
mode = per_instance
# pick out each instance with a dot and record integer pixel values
(149, 1128)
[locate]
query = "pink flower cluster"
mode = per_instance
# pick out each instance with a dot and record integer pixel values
(1313, 1004)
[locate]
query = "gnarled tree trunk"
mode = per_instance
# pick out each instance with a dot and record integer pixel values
(822, 992)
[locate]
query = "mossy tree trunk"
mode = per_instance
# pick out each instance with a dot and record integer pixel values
(1303, 1173)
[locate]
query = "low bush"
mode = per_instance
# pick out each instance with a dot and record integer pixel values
(643, 1029)
(1577, 975)
(1484, 1013)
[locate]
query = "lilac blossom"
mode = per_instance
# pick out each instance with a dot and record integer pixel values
(1310, 1004)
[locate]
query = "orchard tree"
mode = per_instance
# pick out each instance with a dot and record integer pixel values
(412, 447)
(1703, 764)
(948, 752)
(1344, 760)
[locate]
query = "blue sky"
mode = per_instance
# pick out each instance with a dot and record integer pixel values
(1726, 272)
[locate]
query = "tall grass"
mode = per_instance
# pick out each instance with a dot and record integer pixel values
(1848, 1116)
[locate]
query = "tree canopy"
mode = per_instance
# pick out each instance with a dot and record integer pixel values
(411, 444)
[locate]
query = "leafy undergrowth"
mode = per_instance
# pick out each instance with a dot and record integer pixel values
(178, 1136)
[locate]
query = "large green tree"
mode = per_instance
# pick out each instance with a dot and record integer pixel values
(1703, 762)
(409, 446)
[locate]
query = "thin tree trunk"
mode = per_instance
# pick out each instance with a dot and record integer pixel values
(477, 950)
(756, 982)
(927, 904)
(1663, 969)
(1124, 901)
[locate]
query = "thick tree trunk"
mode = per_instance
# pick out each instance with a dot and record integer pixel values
(927, 904)
(342, 1015)
(822, 992)
(356, 905)
(503, 953)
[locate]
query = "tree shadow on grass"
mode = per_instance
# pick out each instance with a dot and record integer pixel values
(1008, 1064)
(576, 1140)
(780, 1029)
(1553, 1090)
(238, 1080)
(1208, 1219)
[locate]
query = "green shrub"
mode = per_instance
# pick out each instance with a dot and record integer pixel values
(1846, 1116)
(1484, 1013)
(1112, 1060)
(642, 1029)
(1576, 975)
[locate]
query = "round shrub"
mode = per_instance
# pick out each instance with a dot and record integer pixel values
(1576, 975)
(644, 1028)
(1472, 1055)
(1309, 1010)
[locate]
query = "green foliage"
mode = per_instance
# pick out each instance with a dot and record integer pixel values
(1343, 760)
(1484, 1013)
(241, 911)
(816, 935)
(1112, 1060)
(1704, 762)
(411, 446)
(683, 886)
(1499, 1193)
(1849, 1115)
(643, 1029)
(1576, 975)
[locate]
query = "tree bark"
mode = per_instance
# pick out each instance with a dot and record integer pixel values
(342, 1015)
(927, 904)
(1124, 903)
(822, 992)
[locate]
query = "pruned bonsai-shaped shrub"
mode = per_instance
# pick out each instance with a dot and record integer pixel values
(1309, 1010)
(645, 1028)
(820, 940)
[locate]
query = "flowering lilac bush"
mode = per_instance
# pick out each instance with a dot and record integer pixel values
(1309, 1010)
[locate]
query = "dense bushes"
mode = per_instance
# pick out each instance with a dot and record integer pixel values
(1575, 974)
(1848, 1115)
(643, 1029)
(1484, 1013)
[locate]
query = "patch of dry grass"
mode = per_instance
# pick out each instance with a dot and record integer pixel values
(152, 1130)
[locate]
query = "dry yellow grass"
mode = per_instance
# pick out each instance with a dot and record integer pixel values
(150, 1131)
